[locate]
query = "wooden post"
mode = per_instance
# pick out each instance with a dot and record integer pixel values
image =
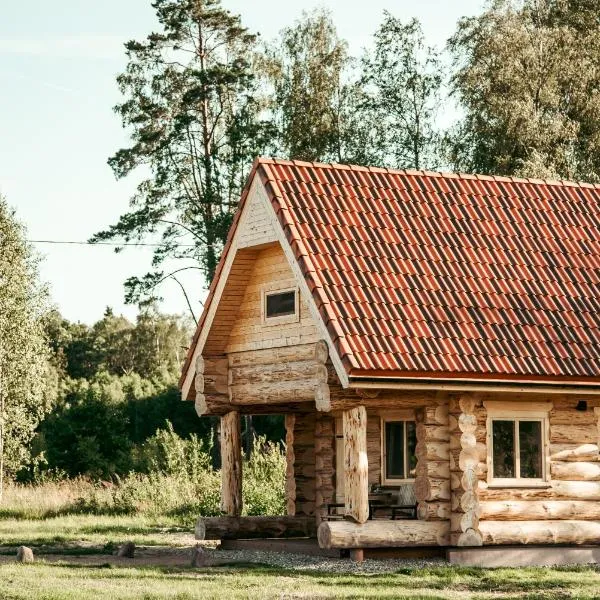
(356, 465)
(290, 457)
(231, 465)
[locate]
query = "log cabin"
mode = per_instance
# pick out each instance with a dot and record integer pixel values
(433, 341)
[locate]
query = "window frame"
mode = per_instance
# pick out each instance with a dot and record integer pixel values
(516, 412)
(407, 416)
(270, 290)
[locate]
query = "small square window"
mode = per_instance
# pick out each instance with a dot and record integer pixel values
(280, 304)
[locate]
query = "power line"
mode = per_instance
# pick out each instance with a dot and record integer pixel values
(115, 244)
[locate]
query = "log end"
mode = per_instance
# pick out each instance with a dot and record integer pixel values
(321, 351)
(200, 404)
(324, 535)
(468, 538)
(200, 531)
(322, 398)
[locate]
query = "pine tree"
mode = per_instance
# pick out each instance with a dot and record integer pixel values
(192, 114)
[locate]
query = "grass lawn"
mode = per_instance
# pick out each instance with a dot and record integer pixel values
(93, 530)
(62, 581)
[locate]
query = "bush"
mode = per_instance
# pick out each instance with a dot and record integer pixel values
(179, 482)
(263, 479)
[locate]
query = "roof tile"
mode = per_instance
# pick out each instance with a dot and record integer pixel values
(447, 274)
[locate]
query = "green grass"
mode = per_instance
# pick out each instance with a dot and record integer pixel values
(96, 530)
(65, 582)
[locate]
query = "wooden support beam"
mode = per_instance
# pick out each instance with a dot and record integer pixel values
(383, 534)
(290, 457)
(236, 528)
(231, 464)
(356, 464)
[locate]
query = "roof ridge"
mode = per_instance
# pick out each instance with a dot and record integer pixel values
(427, 173)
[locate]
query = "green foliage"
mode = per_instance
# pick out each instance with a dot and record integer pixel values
(263, 479)
(153, 347)
(27, 382)
(165, 452)
(528, 78)
(402, 80)
(306, 67)
(191, 110)
(97, 428)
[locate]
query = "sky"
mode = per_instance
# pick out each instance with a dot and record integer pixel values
(58, 63)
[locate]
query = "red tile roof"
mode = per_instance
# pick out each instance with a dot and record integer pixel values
(444, 275)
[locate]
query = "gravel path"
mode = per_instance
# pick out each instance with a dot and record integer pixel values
(305, 562)
(163, 556)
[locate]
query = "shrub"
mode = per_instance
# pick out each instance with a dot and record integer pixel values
(263, 479)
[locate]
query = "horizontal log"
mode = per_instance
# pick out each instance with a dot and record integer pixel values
(219, 405)
(383, 534)
(572, 417)
(274, 373)
(317, 352)
(570, 434)
(558, 490)
(432, 433)
(433, 469)
(574, 452)
(430, 490)
(575, 471)
(539, 510)
(539, 532)
(239, 528)
(275, 393)
(432, 451)
(433, 511)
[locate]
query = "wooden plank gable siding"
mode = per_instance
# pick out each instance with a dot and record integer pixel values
(270, 270)
(256, 226)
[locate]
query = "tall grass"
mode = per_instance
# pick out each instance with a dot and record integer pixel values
(179, 483)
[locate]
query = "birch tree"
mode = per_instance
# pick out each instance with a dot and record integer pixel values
(24, 397)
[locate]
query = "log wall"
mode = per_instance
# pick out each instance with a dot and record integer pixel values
(465, 468)
(432, 485)
(567, 510)
(304, 464)
(324, 463)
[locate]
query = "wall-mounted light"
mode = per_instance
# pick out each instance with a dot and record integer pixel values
(581, 405)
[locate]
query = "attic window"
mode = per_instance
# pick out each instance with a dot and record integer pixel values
(282, 303)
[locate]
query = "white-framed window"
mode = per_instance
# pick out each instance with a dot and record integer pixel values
(517, 443)
(280, 306)
(398, 445)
